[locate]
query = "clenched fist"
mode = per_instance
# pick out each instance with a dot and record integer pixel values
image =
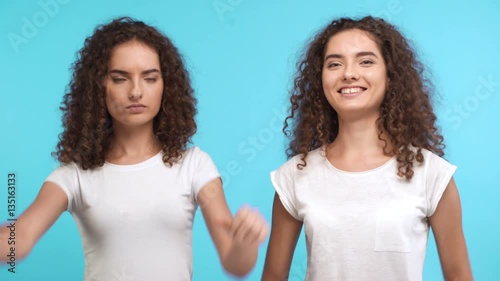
(248, 227)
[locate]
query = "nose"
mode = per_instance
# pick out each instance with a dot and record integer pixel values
(350, 73)
(135, 92)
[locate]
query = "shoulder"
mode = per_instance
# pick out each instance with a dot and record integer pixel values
(316, 157)
(429, 157)
(195, 157)
(67, 177)
(432, 159)
(74, 171)
(194, 153)
(66, 169)
(313, 159)
(433, 165)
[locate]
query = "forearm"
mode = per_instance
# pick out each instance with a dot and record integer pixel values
(268, 275)
(460, 277)
(12, 245)
(240, 260)
(464, 273)
(20, 236)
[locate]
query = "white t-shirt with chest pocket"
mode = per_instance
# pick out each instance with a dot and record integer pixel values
(370, 225)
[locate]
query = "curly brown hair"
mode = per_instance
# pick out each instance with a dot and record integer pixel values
(87, 124)
(406, 113)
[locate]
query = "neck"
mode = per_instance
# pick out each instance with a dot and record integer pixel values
(133, 143)
(359, 138)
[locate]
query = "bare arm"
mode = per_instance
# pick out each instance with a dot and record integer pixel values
(33, 223)
(285, 231)
(236, 239)
(446, 224)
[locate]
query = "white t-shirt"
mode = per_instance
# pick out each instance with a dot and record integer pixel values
(370, 225)
(136, 220)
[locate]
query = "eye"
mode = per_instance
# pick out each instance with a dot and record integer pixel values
(367, 62)
(333, 64)
(151, 80)
(118, 80)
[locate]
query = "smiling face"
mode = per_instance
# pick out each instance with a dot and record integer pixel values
(354, 74)
(134, 84)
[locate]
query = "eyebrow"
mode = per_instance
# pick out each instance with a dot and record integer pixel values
(145, 72)
(360, 54)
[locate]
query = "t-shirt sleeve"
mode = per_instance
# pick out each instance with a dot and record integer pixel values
(204, 170)
(438, 175)
(284, 184)
(66, 177)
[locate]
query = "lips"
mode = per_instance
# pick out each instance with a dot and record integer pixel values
(136, 106)
(351, 90)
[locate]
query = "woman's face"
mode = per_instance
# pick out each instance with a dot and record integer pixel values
(354, 74)
(134, 84)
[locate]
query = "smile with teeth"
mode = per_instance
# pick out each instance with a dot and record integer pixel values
(353, 90)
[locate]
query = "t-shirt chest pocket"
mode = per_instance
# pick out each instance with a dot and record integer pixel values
(395, 227)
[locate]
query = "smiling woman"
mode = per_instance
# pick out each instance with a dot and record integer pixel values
(126, 175)
(354, 75)
(365, 176)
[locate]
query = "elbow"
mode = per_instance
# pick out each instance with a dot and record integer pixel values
(14, 255)
(460, 271)
(269, 274)
(460, 278)
(464, 275)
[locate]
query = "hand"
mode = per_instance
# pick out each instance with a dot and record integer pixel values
(248, 227)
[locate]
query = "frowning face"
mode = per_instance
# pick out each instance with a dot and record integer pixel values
(134, 84)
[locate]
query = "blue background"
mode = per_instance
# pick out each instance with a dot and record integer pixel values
(241, 55)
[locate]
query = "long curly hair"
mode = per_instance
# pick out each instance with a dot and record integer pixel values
(87, 124)
(406, 113)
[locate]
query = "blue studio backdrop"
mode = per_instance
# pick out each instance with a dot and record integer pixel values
(241, 55)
